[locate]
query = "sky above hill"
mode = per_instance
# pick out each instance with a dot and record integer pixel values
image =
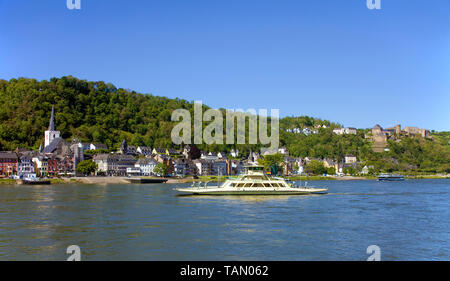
(335, 60)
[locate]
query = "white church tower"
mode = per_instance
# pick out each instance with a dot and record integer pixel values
(51, 134)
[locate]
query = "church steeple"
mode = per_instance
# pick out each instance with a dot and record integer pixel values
(51, 133)
(51, 125)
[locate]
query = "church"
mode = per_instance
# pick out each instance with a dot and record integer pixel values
(54, 144)
(61, 157)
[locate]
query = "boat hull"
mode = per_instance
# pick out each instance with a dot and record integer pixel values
(36, 182)
(293, 191)
(391, 179)
(145, 180)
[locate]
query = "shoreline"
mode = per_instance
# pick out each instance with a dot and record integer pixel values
(125, 180)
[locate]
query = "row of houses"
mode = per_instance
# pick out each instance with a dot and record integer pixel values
(345, 131)
(305, 131)
(127, 165)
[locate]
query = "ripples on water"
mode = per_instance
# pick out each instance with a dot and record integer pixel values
(408, 220)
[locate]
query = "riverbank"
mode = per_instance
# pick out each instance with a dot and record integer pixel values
(125, 180)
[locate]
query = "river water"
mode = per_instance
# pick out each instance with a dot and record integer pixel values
(407, 220)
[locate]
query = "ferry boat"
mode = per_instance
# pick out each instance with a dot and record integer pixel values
(390, 177)
(253, 182)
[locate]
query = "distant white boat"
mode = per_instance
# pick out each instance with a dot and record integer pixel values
(390, 177)
(253, 182)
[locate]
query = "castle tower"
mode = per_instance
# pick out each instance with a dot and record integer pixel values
(51, 133)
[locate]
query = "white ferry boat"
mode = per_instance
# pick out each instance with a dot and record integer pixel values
(253, 182)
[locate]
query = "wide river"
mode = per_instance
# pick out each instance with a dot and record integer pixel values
(407, 220)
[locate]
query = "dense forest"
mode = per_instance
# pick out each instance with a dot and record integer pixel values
(101, 113)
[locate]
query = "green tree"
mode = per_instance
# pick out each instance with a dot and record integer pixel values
(160, 169)
(272, 162)
(331, 170)
(316, 167)
(86, 167)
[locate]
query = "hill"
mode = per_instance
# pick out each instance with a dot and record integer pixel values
(100, 112)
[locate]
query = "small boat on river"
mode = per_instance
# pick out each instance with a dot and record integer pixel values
(390, 177)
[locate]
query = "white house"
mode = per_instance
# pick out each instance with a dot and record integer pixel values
(133, 171)
(307, 131)
(339, 131)
(350, 159)
(350, 131)
(25, 166)
(146, 166)
(41, 164)
(283, 150)
(345, 131)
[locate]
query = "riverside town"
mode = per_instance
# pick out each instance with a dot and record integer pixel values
(60, 160)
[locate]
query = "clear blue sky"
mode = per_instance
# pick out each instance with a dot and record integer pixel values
(333, 59)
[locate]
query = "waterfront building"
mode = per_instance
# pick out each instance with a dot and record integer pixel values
(219, 168)
(114, 164)
(41, 165)
(146, 166)
(203, 167)
(66, 165)
(181, 167)
(25, 166)
(52, 166)
(133, 171)
(78, 154)
(8, 163)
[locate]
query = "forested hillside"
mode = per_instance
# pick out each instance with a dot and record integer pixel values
(100, 112)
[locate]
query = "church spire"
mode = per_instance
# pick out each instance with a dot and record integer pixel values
(51, 125)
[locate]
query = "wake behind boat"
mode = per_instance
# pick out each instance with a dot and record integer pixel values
(253, 182)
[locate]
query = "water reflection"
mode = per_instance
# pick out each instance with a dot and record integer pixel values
(245, 198)
(408, 220)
